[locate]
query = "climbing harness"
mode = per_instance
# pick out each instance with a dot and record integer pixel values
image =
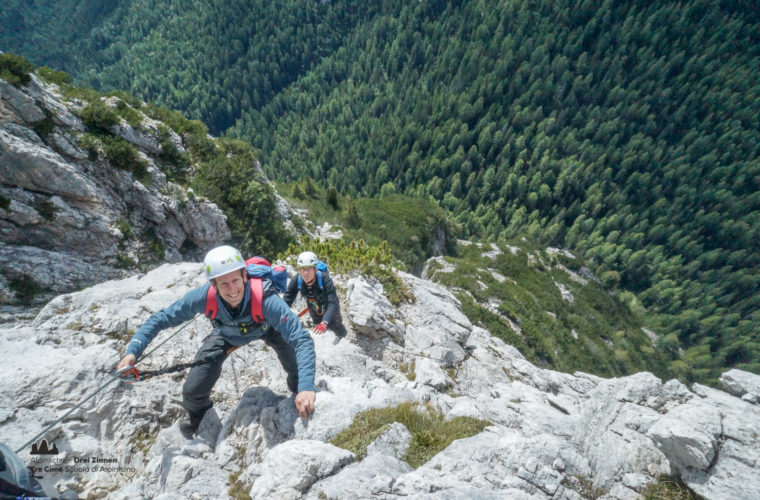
(318, 310)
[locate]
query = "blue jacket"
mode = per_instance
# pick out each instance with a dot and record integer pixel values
(278, 316)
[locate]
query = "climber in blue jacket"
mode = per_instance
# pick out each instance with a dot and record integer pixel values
(233, 326)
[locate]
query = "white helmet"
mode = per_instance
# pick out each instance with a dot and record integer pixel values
(307, 259)
(222, 260)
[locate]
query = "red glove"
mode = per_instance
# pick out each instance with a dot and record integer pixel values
(319, 329)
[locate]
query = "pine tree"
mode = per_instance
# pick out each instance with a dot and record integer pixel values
(332, 198)
(352, 216)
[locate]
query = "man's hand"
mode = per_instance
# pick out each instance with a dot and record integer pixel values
(305, 403)
(128, 360)
(319, 329)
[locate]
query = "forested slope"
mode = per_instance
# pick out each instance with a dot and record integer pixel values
(210, 59)
(627, 131)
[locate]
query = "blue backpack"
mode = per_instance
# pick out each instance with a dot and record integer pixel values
(258, 269)
(321, 268)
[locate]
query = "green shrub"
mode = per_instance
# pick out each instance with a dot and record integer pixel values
(431, 433)
(44, 127)
(352, 216)
(200, 145)
(124, 110)
(595, 333)
(124, 155)
(82, 93)
(97, 116)
(230, 180)
(15, 69)
(177, 164)
(125, 227)
(5, 202)
(155, 246)
(25, 288)
(298, 192)
(92, 144)
(127, 98)
(53, 76)
(357, 257)
(124, 261)
(176, 120)
(46, 209)
(410, 226)
(310, 189)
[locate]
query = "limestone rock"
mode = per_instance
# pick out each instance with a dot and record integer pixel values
(69, 219)
(371, 313)
(548, 435)
(392, 443)
(742, 384)
(290, 468)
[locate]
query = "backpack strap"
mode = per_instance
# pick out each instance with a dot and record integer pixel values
(257, 299)
(319, 281)
(212, 306)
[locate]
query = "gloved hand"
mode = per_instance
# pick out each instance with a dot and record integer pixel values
(319, 329)
(130, 374)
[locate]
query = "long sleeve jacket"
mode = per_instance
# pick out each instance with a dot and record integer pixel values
(236, 328)
(326, 298)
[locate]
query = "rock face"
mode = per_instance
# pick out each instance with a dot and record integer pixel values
(551, 435)
(68, 217)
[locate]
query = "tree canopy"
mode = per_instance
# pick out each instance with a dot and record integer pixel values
(626, 131)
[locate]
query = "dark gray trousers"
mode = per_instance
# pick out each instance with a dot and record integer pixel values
(196, 391)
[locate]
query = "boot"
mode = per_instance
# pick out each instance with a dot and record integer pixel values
(188, 426)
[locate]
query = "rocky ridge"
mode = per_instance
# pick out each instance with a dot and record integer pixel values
(68, 217)
(552, 435)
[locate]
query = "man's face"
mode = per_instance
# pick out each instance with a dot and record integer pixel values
(308, 274)
(231, 287)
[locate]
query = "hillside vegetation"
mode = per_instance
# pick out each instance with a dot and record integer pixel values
(221, 169)
(624, 131)
(546, 303)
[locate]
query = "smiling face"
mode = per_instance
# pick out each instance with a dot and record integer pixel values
(308, 274)
(231, 287)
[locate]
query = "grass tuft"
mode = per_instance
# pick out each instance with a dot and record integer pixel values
(431, 433)
(668, 488)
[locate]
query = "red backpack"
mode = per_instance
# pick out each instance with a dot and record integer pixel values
(258, 269)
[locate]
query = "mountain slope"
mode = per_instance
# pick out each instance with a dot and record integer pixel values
(625, 131)
(93, 184)
(551, 434)
(212, 60)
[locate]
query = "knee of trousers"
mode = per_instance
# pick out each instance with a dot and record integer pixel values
(194, 389)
